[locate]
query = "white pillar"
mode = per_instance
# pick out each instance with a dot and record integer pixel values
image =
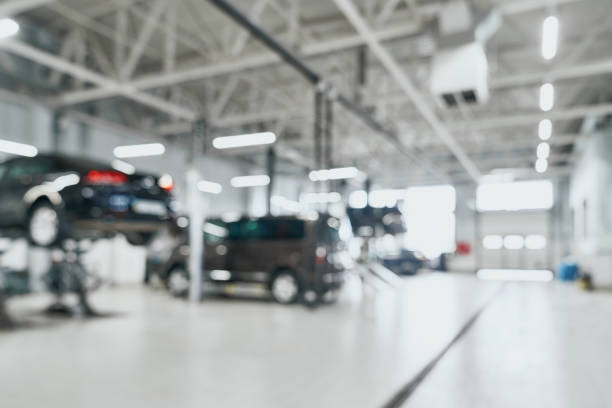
(195, 209)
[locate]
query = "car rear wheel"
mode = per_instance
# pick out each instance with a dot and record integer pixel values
(285, 287)
(44, 225)
(177, 281)
(139, 239)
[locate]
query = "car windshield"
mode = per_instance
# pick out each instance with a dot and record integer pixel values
(266, 229)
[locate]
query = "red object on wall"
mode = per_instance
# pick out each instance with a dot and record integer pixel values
(463, 248)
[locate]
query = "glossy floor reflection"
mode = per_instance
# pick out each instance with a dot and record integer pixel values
(533, 346)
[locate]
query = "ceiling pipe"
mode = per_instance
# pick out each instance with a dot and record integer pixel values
(316, 79)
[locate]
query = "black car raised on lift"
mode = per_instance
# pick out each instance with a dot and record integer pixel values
(294, 258)
(51, 197)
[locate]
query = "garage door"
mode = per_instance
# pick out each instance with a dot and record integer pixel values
(514, 240)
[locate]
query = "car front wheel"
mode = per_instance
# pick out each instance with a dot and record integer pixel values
(285, 287)
(177, 281)
(44, 225)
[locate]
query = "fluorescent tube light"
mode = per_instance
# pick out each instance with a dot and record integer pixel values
(140, 150)
(543, 150)
(525, 275)
(206, 186)
(550, 37)
(334, 174)
(547, 97)
(541, 165)
(8, 27)
(250, 181)
(285, 203)
(20, 149)
(251, 139)
(545, 129)
(123, 167)
(320, 198)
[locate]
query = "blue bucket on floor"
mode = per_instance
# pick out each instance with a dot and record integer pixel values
(567, 271)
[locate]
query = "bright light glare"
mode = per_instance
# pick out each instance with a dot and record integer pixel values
(514, 242)
(66, 180)
(206, 186)
(521, 195)
(286, 204)
(20, 149)
(358, 199)
(214, 229)
(8, 27)
(543, 150)
(550, 37)
(541, 165)
(123, 167)
(440, 198)
(251, 139)
(334, 174)
(430, 219)
(545, 129)
(535, 242)
(140, 150)
(320, 198)
(250, 181)
(493, 242)
(525, 275)
(547, 97)
(385, 198)
(220, 275)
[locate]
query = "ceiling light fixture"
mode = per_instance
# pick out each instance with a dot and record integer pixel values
(550, 37)
(547, 97)
(140, 150)
(543, 150)
(210, 187)
(8, 27)
(541, 165)
(123, 167)
(250, 181)
(20, 149)
(545, 129)
(338, 173)
(251, 139)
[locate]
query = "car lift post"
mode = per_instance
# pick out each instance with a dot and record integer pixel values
(67, 274)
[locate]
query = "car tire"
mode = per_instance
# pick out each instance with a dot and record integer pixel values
(45, 225)
(177, 281)
(285, 287)
(140, 239)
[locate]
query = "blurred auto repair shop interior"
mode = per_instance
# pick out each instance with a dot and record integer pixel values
(290, 203)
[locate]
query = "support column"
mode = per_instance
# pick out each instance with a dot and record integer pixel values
(271, 167)
(195, 210)
(56, 130)
(329, 124)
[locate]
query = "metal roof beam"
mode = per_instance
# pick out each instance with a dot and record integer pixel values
(86, 75)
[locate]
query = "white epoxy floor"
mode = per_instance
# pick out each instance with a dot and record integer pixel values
(535, 345)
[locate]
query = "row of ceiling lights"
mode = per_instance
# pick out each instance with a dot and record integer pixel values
(227, 142)
(550, 39)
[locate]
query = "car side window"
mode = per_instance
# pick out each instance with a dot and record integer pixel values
(21, 168)
(3, 168)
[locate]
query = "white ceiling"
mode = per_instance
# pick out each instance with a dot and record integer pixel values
(168, 63)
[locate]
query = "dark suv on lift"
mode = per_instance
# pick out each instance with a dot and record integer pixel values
(293, 257)
(52, 197)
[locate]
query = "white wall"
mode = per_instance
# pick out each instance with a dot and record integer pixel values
(591, 203)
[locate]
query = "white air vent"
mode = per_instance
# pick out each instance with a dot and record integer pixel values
(460, 75)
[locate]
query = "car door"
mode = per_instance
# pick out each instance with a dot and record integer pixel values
(15, 183)
(21, 175)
